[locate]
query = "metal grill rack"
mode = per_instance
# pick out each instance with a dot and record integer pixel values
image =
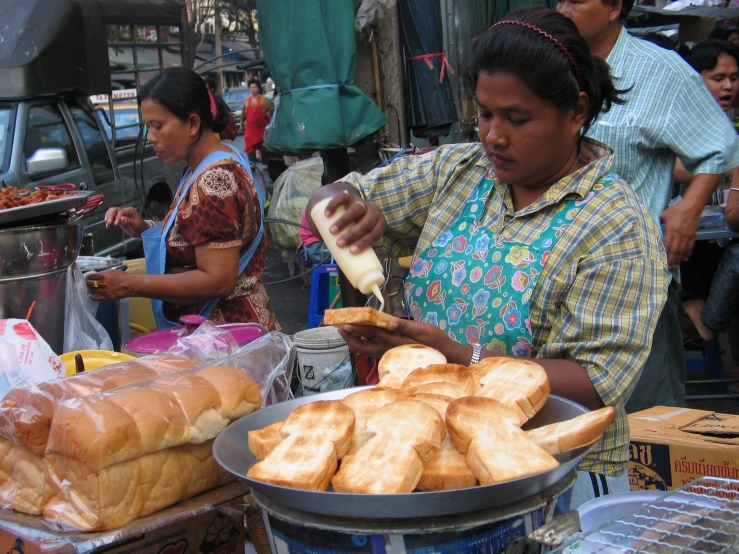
(702, 517)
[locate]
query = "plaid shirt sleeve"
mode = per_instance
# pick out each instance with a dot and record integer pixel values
(699, 132)
(404, 192)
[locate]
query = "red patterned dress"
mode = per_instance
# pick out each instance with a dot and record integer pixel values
(222, 211)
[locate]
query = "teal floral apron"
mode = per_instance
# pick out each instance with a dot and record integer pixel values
(476, 285)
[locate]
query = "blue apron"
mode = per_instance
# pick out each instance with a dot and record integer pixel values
(155, 238)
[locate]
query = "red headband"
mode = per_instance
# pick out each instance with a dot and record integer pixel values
(213, 107)
(547, 36)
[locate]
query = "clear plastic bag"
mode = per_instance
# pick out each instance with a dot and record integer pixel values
(370, 12)
(147, 444)
(292, 191)
(81, 330)
(209, 341)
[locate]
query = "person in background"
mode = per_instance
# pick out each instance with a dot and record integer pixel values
(717, 62)
(207, 256)
(315, 250)
(224, 119)
(524, 244)
(255, 117)
(732, 36)
(668, 113)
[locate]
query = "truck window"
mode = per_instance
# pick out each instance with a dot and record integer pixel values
(5, 138)
(97, 151)
(46, 129)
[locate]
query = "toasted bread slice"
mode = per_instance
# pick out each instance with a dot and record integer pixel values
(442, 389)
(568, 435)
(455, 374)
(391, 381)
(364, 404)
(263, 441)
(403, 359)
(380, 468)
(497, 449)
(356, 316)
(448, 470)
(300, 461)
(465, 417)
(437, 401)
(522, 385)
(505, 453)
(330, 419)
(409, 422)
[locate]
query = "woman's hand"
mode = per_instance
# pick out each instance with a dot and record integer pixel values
(111, 285)
(128, 219)
(374, 341)
(369, 223)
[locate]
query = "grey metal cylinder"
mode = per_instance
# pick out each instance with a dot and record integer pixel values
(33, 276)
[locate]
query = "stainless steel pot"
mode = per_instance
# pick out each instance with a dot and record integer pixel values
(30, 251)
(33, 268)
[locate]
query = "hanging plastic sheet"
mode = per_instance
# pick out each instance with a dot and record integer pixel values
(431, 105)
(310, 49)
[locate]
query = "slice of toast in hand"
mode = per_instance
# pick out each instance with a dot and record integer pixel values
(520, 384)
(568, 435)
(356, 316)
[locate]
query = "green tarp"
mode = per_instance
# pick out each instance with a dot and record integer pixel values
(310, 49)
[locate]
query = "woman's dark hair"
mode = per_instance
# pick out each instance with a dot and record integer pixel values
(255, 81)
(538, 61)
(663, 41)
(704, 55)
(183, 92)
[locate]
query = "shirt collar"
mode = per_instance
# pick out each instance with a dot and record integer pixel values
(617, 58)
(578, 183)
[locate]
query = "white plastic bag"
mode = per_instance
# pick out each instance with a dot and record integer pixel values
(81, 330)
(24, 356)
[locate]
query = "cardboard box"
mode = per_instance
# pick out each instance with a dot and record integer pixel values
(211, 523)
(671, 447)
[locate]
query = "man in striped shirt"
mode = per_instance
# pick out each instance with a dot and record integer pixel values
(668, 113)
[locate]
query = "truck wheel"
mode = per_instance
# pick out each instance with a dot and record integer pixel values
(157, 206)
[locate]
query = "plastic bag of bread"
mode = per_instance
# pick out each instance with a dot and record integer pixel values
(211, 342)
(26, 413)
(102, 439)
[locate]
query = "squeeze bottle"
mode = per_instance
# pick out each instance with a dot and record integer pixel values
(364, 269)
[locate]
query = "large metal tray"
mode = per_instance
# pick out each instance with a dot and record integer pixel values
(231, 450)
(59, 205)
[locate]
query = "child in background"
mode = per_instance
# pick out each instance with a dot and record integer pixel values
(314, 248)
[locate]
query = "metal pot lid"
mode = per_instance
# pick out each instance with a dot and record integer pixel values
(28, 251)
(231, 450)
(160, 341)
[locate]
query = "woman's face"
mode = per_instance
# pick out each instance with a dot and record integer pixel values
(723, 80)
(254, 89)
(170, 136)
(527, 139)
(733, 38)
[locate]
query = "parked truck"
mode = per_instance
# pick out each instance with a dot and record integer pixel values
(58, 121)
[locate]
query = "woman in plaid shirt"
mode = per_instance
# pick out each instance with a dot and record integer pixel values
(524, 244)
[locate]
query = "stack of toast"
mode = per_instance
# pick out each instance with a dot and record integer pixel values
(427, 426)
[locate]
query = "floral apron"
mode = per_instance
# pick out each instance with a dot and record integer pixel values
(476, 285)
